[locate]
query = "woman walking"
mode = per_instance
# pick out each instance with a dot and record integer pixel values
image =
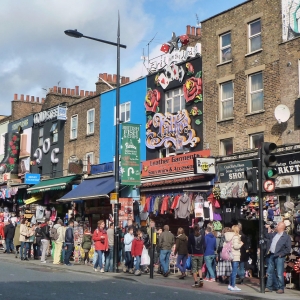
(182, 250)
(24, 236)
(86, 245)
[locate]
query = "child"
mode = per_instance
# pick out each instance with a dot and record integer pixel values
(86, 245)
(129, 237)
(136, 251)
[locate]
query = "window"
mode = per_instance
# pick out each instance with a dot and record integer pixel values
(54, 132)
(125, 113)
(255, 35)
(41, 135)
(226, 146)
(256, 92)
(89, 158)
(166, 152)
(256, 140)
(227, 100)
(74, 126)
(175, 101)
(90, 121)
(225, 47)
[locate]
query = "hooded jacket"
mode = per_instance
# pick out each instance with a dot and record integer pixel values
(101, 240)
(211, 244)
(181, 245)
(87, 241)
(137, 247)
(236, 244)
(60, 232)
(24, 233)
(9, 231)
(183, 207)
(192, 244)
(128, 239)
(45, 231)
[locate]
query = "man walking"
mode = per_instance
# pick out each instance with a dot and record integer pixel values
(45, 231)
(58, 242)
(110, 253)
(280, 247)
(69, 240)
(166, 242)
(9, 232)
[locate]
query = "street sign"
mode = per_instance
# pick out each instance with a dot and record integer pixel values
(113, 198)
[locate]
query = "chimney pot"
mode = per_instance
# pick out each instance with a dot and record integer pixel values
(86, 93)
(123, 80)
(115, 78)
(76, 90)
(109, 78)
(37, 99)
(59, 90)
(55, 89)
(193, 30)
(64, 91)
(95, 93)
(15, 96)
(104, 76)
(68, 91)
(27, 98)
(100, 76)
(43, 100)
(127, 79)
(81, 93)
(22, 97)
(198, 31)
(188, 29)
(72, 92)
(32, 98)
(91, 93)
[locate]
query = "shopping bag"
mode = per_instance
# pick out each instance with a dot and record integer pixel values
(204, 269)
(188, 263)
(145, 259)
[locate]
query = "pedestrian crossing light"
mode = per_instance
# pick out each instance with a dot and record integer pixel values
(251, 185)
(269, 161)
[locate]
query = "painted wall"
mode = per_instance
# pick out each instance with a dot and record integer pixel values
(290, 19)
(3, 130)
(134, 93)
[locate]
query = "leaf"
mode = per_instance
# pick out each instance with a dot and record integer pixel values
(198, 122)
(149, 117)
(198, 74)
(157, 109)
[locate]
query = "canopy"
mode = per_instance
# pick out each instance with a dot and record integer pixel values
(52, 184)
(90, 189)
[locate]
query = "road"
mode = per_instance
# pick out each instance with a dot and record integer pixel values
(32, 282)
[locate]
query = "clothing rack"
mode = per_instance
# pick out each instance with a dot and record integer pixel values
(196, 191)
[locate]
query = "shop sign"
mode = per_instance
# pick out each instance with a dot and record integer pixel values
(288, 164)
(173, 181)
(173, 164)
(234, 171)
(75, 168)
(31, 178)
(23, 123)
(102, 168)
(130, 156)
(204, 165)
(237, 157)
(58, 112)
(173, 131)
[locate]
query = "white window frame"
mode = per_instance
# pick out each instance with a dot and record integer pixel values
(225, 47)
(75, 129)
(222, 146)
(126, 104)
(254, 35)
(251, 144)
(171, 97)
(85, 164)
(88, 122)
(54, 132)
(2, 143)
(227, 99)
(41, 136)
(255, 92)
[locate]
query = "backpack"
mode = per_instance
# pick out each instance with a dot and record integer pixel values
(53, 234)
(226, 253)
(198, 242)
(217, 226)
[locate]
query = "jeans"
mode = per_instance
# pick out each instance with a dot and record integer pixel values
(128, 260)
(138, 262)
(24, 249)
(95, 257)
(109, 259)
(99, 259)
(181, 258)
(9, 245)
(68, 253)
(45, 245)
(165, 259)
(232, 278)
(29, 249)
(241, 270)
(209, 261)
(36, 250)
(275, 264)
(137, 219)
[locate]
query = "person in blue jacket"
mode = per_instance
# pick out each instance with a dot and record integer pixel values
(209, 254)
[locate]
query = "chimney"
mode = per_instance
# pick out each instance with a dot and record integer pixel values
(43, 100)
(27, 98)
(76, 90)
(81, 93)
(22, 97)
(115, 78)
(32, 98)
(127, 79)
(68, 91)
(86, 93)
(95, 93)
(109, 78)
(198, 31)
(64, 91)
(72, 92)
(188, 29)
(123, 80)
(55, 89)
(91, 93)
(193, 30)
(104, 76)
(15, 97)
(37, 99)
(59, 89)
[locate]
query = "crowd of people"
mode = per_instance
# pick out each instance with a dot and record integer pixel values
(209, 255)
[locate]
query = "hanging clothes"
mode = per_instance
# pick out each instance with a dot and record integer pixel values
(39, 213)
(182, 210)
(165, 205)
(53, 214)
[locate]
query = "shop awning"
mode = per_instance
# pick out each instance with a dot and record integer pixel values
(32, 199)
(52, 184)
(90, 189)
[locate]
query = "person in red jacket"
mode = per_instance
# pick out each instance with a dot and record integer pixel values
(136, 251)
(101, 244)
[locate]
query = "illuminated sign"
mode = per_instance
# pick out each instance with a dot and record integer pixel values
(58, 112)
(173, 131)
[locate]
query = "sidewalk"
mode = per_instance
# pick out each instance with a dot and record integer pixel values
(250, 290)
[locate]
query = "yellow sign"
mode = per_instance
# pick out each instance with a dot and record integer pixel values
(113, 196)
(154, 238)
(31, 200)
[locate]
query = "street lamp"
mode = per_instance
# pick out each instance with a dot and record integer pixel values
(76, 34)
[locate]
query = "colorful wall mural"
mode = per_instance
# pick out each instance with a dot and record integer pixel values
(290, 19)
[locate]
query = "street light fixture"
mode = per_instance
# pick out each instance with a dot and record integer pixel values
(76, 34)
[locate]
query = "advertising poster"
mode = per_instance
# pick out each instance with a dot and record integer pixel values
(126, 211)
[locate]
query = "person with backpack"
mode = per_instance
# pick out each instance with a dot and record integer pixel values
(196, 248)
(209, 255)
(58, 237)
(45, 231)
(231, 252)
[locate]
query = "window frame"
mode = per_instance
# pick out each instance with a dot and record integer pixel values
(54, 132)
(85, 165)
(225, 100)
(41, 137)
(88, 122)
(250, 37)
(71, 128)
(182, 99)
(251, 145)
(222, 149)
(250, 92)
(123, 104)
(225, 47)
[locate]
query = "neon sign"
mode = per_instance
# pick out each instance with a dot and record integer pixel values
(173, 131)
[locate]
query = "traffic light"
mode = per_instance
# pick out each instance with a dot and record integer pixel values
(269, 162)
(251, 185)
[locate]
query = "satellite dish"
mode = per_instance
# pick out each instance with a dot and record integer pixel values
(282, 113)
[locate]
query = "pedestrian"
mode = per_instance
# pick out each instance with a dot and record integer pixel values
(69, 241)
(37, 242)
(109, 255)
(166, 242)
(233, 239)
(60, 238)
(136, 251)
(16, 241)
(209, 255)
(101, 244)
(181, 250)
(244, 255)
(86, 245)
(196, 247)
(9, 232)
(24, 235)
(45, 241)
(31, 240)
(128, 239)
(159, 268)
(279, 248)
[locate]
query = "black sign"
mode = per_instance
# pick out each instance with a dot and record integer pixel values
(288, 163)
(26, 122)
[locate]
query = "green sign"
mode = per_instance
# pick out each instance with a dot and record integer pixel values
(130, 154)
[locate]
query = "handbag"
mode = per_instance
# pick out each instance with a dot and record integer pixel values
(188, 263)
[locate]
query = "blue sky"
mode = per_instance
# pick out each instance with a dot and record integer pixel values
(35, 54)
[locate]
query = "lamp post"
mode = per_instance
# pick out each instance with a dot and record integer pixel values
(76, 34)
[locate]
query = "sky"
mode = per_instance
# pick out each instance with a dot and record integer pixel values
(35, 54)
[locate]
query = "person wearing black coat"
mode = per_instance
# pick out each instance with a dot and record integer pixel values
(9, 232)
(244, 255)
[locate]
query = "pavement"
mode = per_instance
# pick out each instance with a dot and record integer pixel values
(113, 285)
